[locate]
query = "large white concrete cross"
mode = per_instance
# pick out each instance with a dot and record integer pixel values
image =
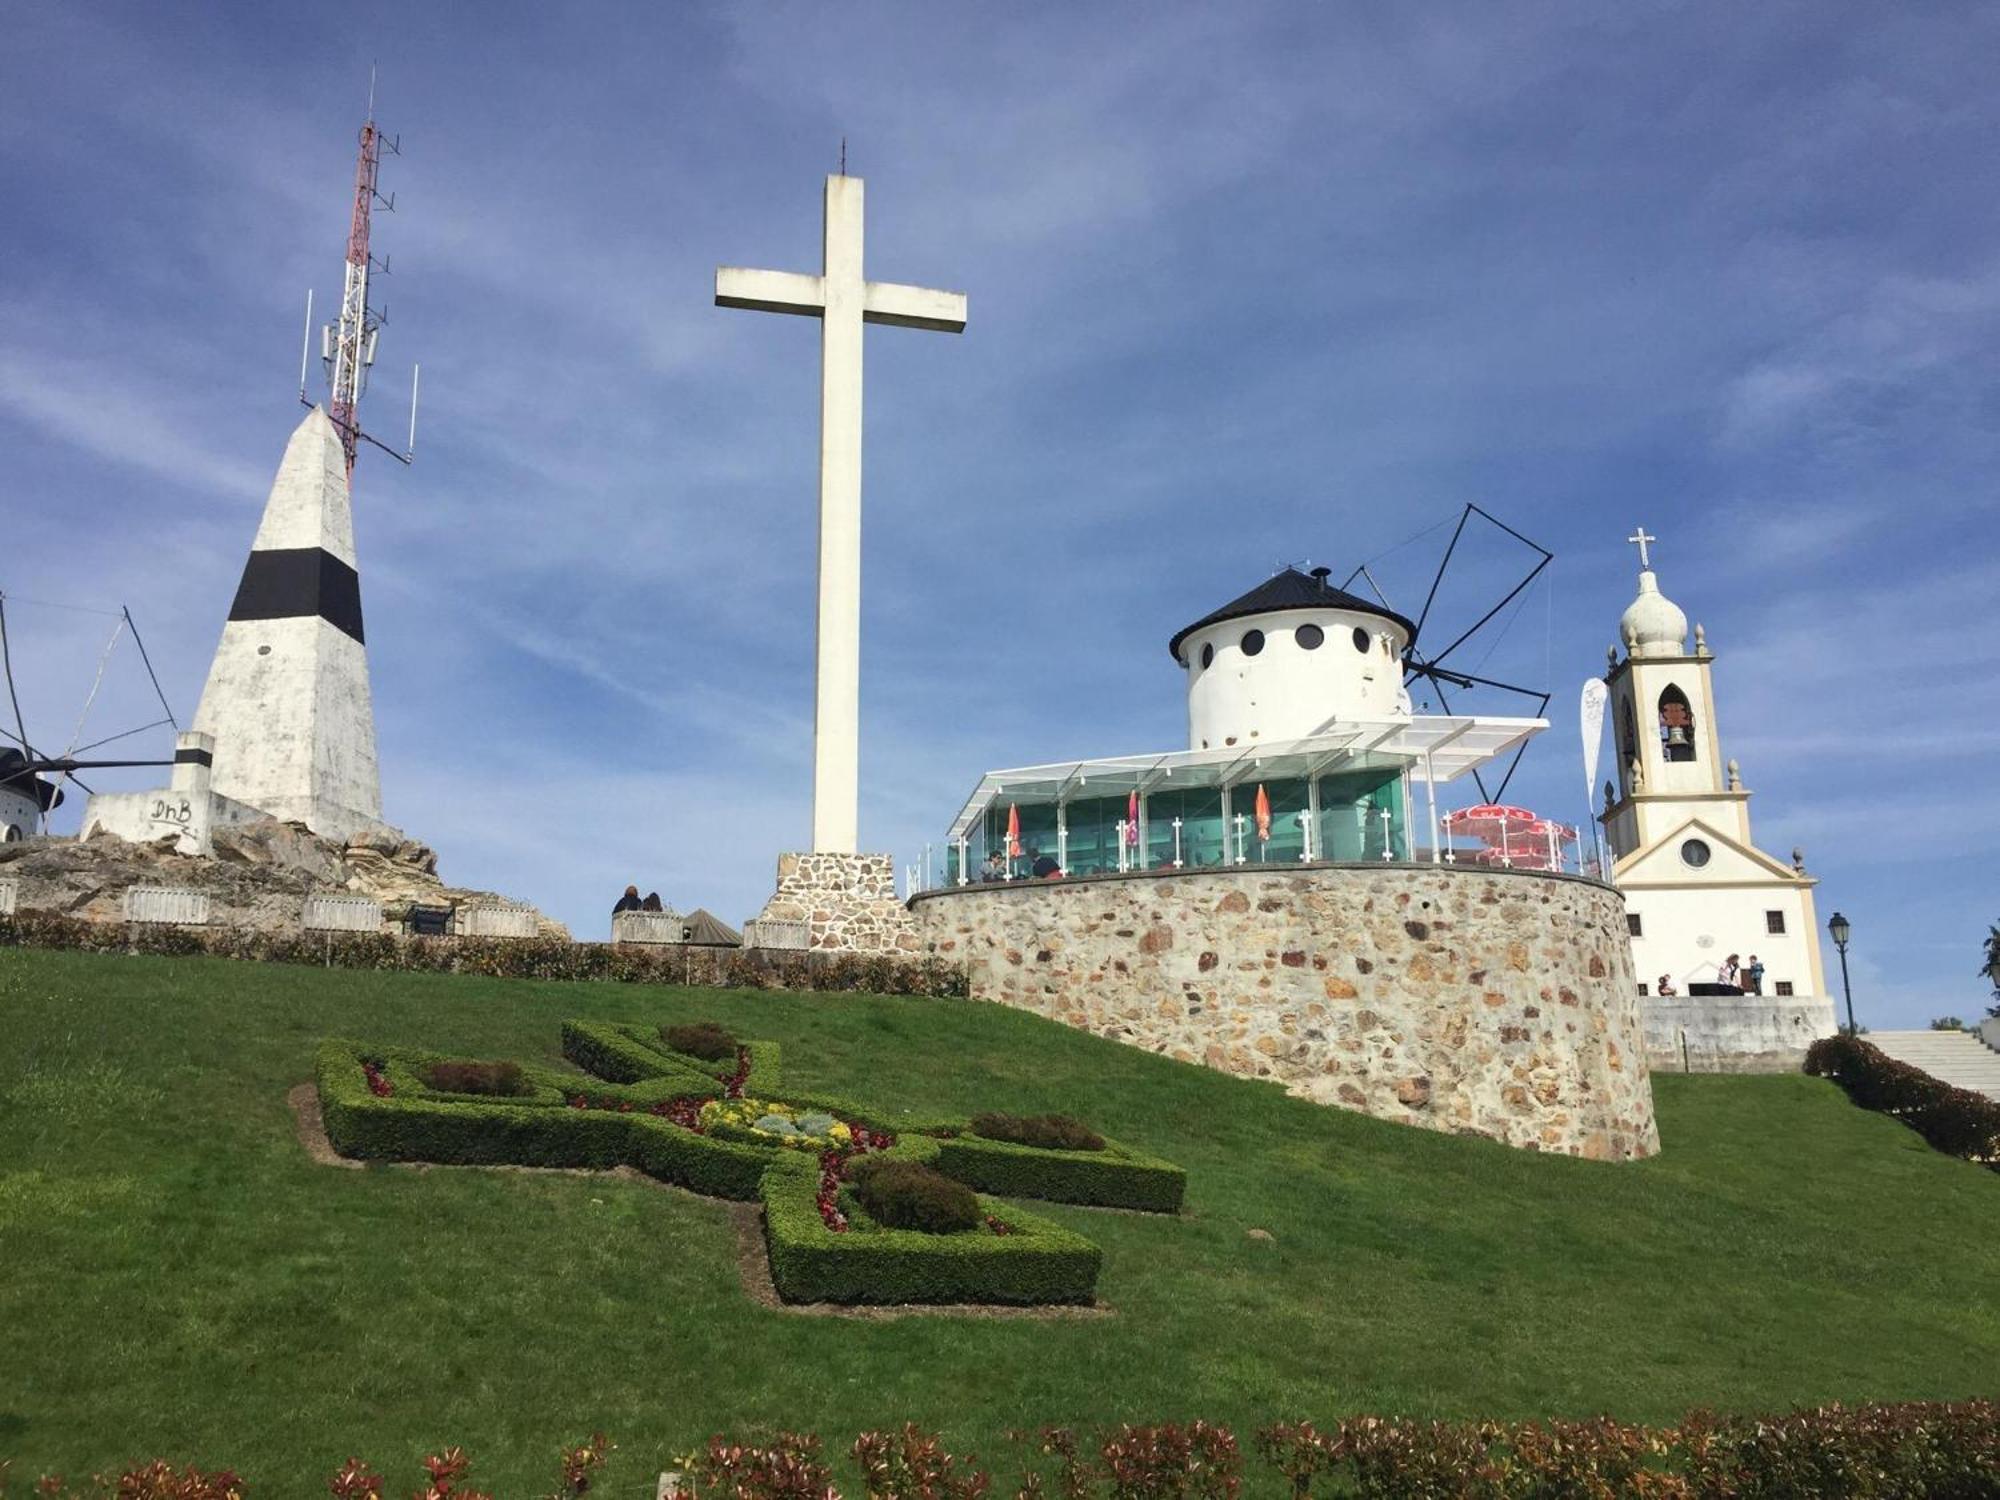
(1642, 541)
(842, 300)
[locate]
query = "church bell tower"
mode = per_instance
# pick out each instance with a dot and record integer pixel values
(1697, 889)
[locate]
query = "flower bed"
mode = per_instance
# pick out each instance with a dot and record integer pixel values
(786, 1125)
(673, 1117)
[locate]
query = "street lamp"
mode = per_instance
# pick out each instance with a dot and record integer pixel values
(1840, 928)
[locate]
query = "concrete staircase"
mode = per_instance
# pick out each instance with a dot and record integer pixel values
(1955, 1057)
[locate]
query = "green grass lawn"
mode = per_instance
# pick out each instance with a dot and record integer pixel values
(177, 1278)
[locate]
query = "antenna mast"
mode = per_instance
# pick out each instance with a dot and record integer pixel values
(347, 348)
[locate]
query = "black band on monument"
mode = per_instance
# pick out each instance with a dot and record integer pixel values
(189, 755)
(298, 582)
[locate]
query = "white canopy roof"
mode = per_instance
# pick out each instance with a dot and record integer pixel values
(1439, 748)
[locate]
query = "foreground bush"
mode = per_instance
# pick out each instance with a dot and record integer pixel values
(503, 958)
(1052, 1132)
(909, 1195)
(1956, 1121)
(1921, 1450)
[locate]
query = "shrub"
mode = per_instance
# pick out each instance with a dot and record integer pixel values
(502, 958)
(1947, 1023)
(915, 1465)
(1051, 1132)
(708, 1040)
(909, 1195)
(501, 1079)
(1956, 1121)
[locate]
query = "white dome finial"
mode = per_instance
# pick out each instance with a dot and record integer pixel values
(1652, 625)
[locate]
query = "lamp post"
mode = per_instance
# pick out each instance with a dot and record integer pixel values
(1840, 929)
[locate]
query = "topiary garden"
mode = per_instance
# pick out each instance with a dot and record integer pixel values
(860, 1206)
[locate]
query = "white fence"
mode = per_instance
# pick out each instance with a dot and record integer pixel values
(10, 895)
(771, 933)
(648, 927)
(179, 906)
(342, 914)
(496, 920)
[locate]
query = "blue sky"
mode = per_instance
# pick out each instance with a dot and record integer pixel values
(1248, 284)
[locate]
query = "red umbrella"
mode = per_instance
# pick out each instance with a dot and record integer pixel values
(1132, 818)
(1491, 822)
(1263, 813)
(1013, 830)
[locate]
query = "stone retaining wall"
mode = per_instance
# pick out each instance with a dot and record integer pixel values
(1495, 1002)
(1731, 1034)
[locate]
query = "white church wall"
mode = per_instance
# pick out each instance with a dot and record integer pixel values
(1688, 932)
(1286, 690)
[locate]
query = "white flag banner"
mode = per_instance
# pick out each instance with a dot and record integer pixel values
(1592, 724)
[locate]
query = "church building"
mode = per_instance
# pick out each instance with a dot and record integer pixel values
(1697, 888)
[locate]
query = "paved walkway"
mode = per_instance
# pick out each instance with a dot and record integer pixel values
(1956, 1057)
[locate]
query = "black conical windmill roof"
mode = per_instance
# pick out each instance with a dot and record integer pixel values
(1290, 589)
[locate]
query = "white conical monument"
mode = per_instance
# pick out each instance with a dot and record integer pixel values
(287, 701)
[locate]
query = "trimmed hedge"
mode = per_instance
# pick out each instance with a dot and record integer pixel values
(1037, 1262)
(1116, 1177)
(633, 1071)
(1956, 1121)
(497, 1133)
(504, 958)
(626, 1054)
(1055, 1132)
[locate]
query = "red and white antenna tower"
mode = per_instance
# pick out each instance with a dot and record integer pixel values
(347, 348)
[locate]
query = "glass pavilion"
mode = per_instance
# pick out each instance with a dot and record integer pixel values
(1356, 790)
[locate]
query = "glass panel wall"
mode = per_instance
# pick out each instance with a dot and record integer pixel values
(1288, 799)
(1351, 822)
(1200, 812)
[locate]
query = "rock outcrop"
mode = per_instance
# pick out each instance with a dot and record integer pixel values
(258, 877)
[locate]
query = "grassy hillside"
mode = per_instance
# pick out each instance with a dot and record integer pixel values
(180, 1279)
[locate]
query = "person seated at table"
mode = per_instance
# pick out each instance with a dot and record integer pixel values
(627, 902)
(995, 867)
(652, 902)
(1043, 866)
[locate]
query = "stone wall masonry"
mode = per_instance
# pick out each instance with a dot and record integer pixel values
(846, 901)
(1491, 1002)
(1728, 1034)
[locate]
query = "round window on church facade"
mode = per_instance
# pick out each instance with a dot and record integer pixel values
(1309, 637)
(1253, 642)
(1361, 639)
(1694, 853)
(1208, 655)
